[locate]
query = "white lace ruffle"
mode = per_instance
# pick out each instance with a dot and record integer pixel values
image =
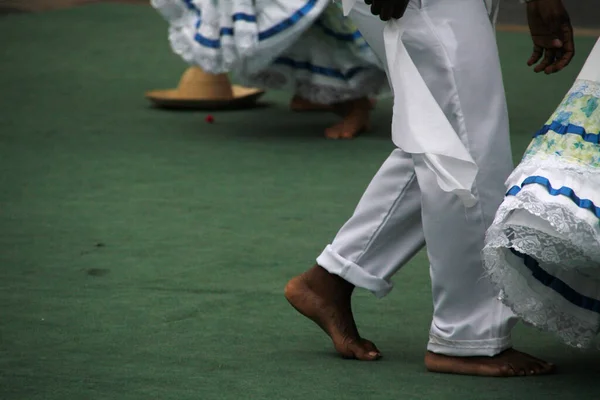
(185, 27)
(368, 85)
(535, 304)
(321, 94)
(574, 244)
(571, 250)
(584, 180)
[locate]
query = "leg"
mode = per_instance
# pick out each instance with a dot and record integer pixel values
(454, 48)
(355, 115)
(355, 119)
(382, 235)
(363, 257)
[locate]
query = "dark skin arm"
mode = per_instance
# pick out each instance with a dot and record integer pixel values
(388, 9)
(552, 35)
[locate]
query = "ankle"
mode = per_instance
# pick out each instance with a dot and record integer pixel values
(332, 282)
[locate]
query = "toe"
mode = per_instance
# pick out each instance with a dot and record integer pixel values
(363, 352)
(370, 345)
(507, 370)
(372, 350)
(547, 368)
(537, 368)
(520, 370)
(332, 134)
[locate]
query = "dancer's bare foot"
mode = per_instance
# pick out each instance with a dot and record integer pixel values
(326, 300)
(355, 119)
(507, 364)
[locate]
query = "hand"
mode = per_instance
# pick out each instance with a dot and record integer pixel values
(552, 35)
(388, 9)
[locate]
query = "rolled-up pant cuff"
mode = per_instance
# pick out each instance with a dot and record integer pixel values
(335, 264)
(468, 348)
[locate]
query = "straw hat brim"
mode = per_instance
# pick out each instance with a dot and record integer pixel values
(243, 97)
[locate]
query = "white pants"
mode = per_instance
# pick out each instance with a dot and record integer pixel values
(452, 43)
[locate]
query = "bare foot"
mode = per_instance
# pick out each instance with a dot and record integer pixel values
(355, 119)
(326, 300)
(506, 364)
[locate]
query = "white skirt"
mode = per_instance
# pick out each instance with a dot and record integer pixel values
(302, 45)
(543, 249)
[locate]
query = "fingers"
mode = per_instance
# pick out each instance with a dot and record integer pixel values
(536, 55)
(399, 9)
(543, 53)
(387, 10)
(567, 51)
(547, 61)
(554, 59)
(375, 7)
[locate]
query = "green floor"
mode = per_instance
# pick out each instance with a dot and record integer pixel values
(143, 253)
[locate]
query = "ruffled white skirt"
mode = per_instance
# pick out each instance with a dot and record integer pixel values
(302, 45)
(543, 249)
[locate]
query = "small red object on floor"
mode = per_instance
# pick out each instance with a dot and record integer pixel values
(210, 119)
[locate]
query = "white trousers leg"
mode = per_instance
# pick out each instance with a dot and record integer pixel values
(453, 46)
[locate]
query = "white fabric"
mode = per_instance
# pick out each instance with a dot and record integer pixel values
(347, 6)
(419, 124)
(416, 111)
(551, 219)
(591, 69)
(493, 7)
(305, 46)
(452, 45)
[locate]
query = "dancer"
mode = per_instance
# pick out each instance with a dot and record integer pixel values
(443, 185)
(306, 46)
(543, 249)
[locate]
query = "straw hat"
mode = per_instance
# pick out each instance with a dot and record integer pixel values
(200, 90)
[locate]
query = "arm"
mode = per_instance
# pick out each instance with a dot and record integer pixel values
(552, 35)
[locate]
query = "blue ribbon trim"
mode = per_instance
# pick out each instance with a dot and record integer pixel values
(559, 286)
(563, 191)
(243, 17)
(288, 23)
(344, 37)
(278, 28)
(190, 5)
(228, 31)
(561, 129)
(267, 34)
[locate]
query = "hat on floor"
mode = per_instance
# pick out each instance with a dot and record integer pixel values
(202, 91)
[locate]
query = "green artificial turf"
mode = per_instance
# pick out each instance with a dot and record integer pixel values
(143, 253)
